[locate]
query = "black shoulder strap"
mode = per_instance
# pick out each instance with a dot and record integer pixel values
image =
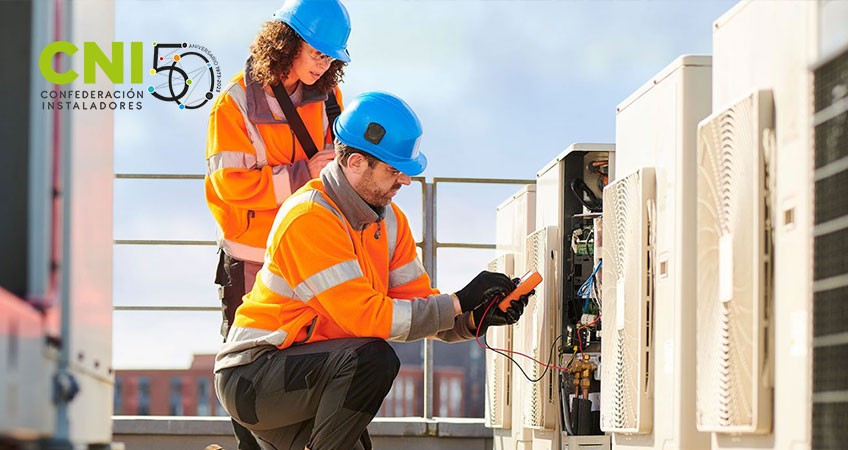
(333, 110)
(295, 122)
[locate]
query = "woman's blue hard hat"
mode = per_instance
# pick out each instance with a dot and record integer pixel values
(323, 24)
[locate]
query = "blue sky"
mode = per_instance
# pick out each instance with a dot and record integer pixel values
(501, 88)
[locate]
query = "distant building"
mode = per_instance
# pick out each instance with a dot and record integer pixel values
(168, 392)
(458, 382)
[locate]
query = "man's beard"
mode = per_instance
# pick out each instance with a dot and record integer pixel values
(372, 194)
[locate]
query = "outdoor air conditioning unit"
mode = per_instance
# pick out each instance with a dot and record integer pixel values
(561, 208)
(505, 386)
(627, 309)
(541, 327)
(656, 126)
(734, 390)
(830, 243)
(498, 367)
(774, 46)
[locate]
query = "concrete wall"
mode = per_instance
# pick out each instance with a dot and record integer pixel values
(178, 433)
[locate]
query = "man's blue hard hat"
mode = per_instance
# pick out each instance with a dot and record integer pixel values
(323, 24)
(386, 127)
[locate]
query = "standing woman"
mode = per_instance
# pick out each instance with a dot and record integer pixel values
(270, 131)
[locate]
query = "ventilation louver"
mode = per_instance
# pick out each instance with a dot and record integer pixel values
(498, 367)
(541, 327)
(626, 356)
(734, 272)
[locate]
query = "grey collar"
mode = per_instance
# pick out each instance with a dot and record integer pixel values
(257, 108)
(359, 213)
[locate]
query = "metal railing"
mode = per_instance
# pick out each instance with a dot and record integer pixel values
(429, 245)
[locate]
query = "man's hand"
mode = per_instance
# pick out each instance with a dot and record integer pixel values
(482, 289)
(496, 317)
(319, 160)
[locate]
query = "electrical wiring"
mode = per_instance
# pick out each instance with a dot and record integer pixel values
(506, 353)
(601, 168)
(581, 327)
(503, 352)
(585, 288)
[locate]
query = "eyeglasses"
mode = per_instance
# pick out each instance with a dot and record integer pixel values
(391, 170)
(318, 56)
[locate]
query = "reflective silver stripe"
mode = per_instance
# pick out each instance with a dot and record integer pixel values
(230, 160)
(391, 230)
(291, 202)
(284, 210)
(328, 278)
(256, 336)
(245, 344)
(401, 320)
(282, 183)
(314, 285)
(405, 273)
(275, 283)
(237, 93)
(319, 199)
(324, 121)
(241, 251)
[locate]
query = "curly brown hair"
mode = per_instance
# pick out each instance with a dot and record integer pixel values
(273, 52)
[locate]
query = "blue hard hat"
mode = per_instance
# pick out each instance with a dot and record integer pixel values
(323, 24)
(385, 127)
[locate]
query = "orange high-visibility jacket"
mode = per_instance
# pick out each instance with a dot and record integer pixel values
(335, 268)
(254, 162)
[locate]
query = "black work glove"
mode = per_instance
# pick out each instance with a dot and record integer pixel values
(496, 317)
(483, 288)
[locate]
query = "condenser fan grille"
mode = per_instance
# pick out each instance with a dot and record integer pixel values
(535, 249)
(540, 322)
(732, 281)
(625, 398)
(498, 367)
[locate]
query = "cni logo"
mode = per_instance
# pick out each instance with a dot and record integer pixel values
(187, 74)
(92, 56)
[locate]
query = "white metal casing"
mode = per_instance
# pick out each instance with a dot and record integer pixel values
(515, 219)
(656, 126)
(89, 264)
(771, 45)
(586, 442)
(26, 411)
(551, 185)
(75, 313)
(627, 335)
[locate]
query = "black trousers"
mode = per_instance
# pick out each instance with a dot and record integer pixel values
(234, 278)
(321, 395)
